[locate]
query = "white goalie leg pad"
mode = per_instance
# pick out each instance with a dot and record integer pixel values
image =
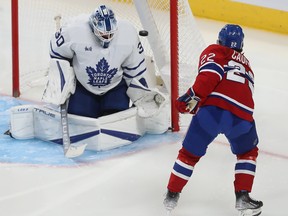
(121, 128)
(48, 127)
(107, 132)
(159, 122)
(32, 121)
(61, 82)
(21, 122)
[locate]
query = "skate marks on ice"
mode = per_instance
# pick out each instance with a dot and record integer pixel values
(37, 152)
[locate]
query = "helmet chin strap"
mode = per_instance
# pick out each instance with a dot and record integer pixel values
(105, 44)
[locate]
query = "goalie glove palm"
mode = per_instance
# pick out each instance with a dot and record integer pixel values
(188, 103)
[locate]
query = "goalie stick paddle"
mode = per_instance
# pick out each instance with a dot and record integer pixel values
(70, 150)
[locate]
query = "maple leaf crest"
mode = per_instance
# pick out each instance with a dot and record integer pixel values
(101, 75)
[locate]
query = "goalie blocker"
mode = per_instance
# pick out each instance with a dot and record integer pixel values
(151, 115)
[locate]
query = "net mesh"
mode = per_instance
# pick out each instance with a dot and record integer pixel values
(36, 26)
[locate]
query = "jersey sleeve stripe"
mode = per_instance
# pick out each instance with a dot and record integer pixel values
(134, 68)
(139, 74)
(234, 102)
(212, 66)
(212, 71)
(61, 58)
(139, 87)
(250, 79)
(54, 54)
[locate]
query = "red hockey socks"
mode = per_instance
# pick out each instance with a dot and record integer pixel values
(245, 170)
(182, 170)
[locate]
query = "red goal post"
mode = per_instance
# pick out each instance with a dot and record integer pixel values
(174, 41)
(15, 48)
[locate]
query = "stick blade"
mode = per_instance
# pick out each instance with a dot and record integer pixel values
(75, 150)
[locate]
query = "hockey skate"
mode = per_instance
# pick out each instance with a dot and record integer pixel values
(246, 205)
(171, 199)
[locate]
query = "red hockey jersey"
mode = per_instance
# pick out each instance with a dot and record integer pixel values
(225, 80)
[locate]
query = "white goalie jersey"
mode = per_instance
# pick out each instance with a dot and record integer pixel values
(99, 69)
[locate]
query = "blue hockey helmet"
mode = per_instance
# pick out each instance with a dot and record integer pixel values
(104, 24)
(231, 36)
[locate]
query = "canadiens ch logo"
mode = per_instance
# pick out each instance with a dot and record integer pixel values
(101, 75)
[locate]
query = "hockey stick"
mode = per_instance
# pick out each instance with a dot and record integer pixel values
(70, 150)
(57, 19)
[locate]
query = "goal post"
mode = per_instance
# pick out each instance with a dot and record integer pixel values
(173, 43)
(15, 49)
(174, 72)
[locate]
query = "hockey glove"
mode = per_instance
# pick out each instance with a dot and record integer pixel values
(61, 82)
(188, 103)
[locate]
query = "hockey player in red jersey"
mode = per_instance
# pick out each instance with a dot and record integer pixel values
(222, 103)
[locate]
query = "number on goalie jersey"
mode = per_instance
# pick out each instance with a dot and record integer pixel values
(106, 56)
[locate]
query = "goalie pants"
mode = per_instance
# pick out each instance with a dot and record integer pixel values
(85, 103)
(204, 128)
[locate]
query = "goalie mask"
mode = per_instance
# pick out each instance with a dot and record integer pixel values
(231, 36)
(103, 24)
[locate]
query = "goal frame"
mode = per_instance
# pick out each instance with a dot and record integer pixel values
(15, 49)
(174, 74)
(174, 65)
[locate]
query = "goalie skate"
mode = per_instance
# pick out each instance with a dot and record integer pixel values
(246, 205)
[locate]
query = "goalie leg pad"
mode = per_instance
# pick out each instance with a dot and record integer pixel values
(21, 122)
(32, 121)
(107, 132)
(157, 123)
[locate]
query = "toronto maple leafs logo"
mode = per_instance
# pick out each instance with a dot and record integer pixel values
(102, 75)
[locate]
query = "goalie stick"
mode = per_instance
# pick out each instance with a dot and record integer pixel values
(70, 150)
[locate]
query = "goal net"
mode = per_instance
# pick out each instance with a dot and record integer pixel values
(174, 41)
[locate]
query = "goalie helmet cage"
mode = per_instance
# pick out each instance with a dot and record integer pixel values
(174, 41)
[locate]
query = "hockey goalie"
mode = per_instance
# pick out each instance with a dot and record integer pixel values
(97, 75)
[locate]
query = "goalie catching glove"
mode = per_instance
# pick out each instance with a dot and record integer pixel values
(148, 101)
(188, 103)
